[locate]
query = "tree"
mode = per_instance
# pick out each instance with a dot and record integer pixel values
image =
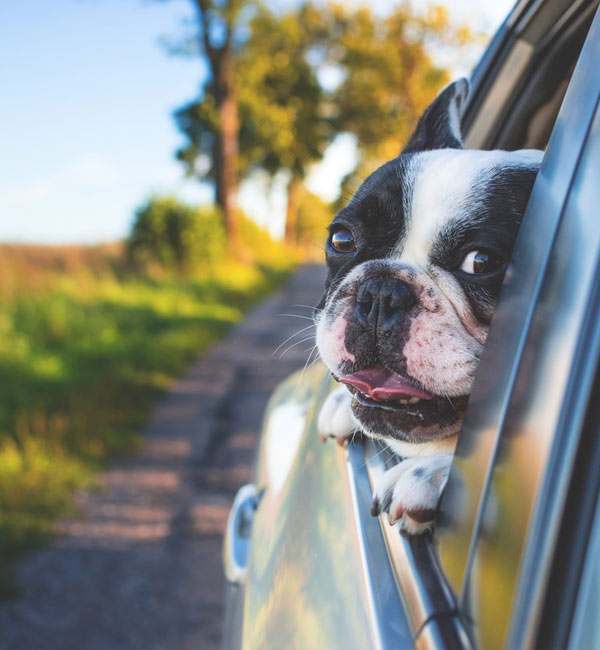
(283, 107)
(281, 117)
(389, 76)
(212, 124)
(266, 106)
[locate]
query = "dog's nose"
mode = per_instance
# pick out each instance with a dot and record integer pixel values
(380, 302)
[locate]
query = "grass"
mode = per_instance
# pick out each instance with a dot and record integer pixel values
(84, 355)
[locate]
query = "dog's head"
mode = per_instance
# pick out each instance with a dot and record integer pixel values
(415, 263)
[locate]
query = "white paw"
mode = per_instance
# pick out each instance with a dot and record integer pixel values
(409, 492)
(335, 419)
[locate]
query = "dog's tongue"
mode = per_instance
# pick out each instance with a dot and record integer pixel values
(382, 385)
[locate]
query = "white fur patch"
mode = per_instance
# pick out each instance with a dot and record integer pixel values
(404, 449)
(412, 485)
(335, 417)
(443, 181)
(330, 339)
(440, 353)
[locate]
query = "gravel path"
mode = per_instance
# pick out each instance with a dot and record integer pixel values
(141, 567)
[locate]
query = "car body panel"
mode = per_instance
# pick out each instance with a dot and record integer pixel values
(312, 570)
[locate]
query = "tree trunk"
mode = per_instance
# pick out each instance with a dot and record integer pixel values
(226, 165)
(291, 213)
(226, 146)
(221, 61)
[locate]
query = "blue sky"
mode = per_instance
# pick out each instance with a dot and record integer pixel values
(86, 117)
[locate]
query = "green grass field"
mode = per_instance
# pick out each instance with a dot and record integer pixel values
(83, 358)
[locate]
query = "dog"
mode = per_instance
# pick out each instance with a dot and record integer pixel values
(415, 264)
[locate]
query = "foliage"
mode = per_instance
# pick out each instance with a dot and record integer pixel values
(279, 97)
(281, 102)
(385, 77)
(170, 235)
(314, 215)
(261, 248)
(83, 357)
(389, 76)
(176, 235)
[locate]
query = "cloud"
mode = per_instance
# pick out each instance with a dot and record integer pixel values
(89, 170)
(33, 192)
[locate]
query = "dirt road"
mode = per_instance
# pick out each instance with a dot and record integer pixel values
(141, 567)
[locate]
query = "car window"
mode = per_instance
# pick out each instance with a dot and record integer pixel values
(516, 100)
(529, 95)
(585, 632)
(516, 448)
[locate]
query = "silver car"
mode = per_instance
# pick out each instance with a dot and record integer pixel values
(515, 558)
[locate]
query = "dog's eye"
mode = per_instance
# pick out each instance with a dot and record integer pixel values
(481, 262)
(343, 241)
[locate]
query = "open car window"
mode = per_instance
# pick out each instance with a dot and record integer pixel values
(470, 577)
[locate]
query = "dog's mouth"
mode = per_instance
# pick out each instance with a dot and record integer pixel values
(383, 388)
(387, 403)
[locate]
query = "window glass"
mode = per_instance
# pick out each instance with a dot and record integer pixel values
(585, 632)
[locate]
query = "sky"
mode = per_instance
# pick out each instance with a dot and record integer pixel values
(86, 127)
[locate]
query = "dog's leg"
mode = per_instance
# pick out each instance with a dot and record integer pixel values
(335, 418)
(409, 492)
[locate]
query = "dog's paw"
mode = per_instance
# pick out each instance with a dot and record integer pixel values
(409, 492)
(335, 419)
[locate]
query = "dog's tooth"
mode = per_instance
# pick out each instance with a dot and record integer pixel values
(414, 400)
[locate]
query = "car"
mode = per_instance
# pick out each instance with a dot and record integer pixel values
(514, 560)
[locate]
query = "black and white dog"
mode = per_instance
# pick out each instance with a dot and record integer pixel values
(415, 263)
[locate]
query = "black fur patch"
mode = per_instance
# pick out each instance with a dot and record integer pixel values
(401, 423)
(490, 222)
(375, 217)
(433, 129)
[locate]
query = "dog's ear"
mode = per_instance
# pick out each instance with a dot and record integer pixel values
(439, 126)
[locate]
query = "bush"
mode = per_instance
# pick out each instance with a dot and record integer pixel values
(314, 215)
(261, 249)
(176, 235)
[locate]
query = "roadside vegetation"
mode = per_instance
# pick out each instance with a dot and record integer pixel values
(89, 339)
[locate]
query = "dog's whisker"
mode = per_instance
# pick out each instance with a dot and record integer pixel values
(311, 307)
(308, 338)
(297, 316)
(451, 403)
(289, 338)
(371, 458)
(308, 363)
(314, 347)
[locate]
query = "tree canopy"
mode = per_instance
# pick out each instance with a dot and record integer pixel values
(300, 77)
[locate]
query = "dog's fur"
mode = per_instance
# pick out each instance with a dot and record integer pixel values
(407, 302)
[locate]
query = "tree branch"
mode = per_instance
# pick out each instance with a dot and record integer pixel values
(203, 7)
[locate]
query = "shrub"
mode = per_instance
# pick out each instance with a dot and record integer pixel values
(314, 215)
(176, 235)
(262, 249)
